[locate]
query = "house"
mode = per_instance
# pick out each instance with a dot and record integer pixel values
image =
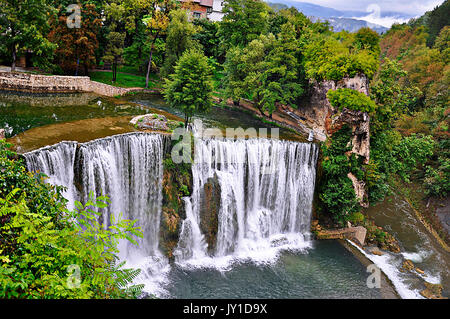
(217, 14)
(199, 8)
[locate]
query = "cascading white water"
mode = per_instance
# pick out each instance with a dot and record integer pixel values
(57, 162)
(266, 187)
(128, 168)
(266, 192)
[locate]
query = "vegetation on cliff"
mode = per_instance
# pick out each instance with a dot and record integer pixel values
(177, 183)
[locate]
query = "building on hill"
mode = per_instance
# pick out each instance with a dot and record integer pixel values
(217, 14)
(199, 8)
(208, 9)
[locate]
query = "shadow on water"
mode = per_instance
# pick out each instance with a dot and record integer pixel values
(326, 271)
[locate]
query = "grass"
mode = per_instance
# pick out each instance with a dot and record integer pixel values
(125, 80)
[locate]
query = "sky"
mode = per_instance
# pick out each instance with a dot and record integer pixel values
(373, 8)
(413, 7)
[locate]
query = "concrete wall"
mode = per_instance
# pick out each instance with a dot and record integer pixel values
(35, 83)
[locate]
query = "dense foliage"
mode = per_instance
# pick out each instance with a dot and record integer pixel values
(336, 190)
(47, 251)
(351, 99)
(190, 87)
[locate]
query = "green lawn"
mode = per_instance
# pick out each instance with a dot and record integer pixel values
(123, 79)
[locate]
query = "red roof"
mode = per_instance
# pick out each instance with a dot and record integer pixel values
(204, 3)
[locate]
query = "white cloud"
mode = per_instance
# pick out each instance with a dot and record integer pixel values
(413, 7)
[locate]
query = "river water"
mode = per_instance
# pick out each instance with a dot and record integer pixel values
(311, 270)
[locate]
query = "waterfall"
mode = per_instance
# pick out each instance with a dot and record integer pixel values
(128, 168)
(264, 189)
(266, 194)
(57, 162)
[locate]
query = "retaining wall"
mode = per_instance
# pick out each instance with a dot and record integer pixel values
(35, 83)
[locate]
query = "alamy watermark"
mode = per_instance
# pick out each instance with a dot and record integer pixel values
(74, 19)
(182, 151)
(374, 279)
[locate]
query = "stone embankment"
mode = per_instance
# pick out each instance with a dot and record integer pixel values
(356, 234)
(36, 83)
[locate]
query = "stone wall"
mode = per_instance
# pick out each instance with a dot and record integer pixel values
(35, 83)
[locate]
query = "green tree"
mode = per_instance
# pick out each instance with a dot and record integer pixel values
(115, 38)
(328, 58)
(190, 87)
(179, 39)
(367, 39)
(280, 81)
(23, 26)
(156, 25)
(392, 97)
(244, 21)
(207, 36)
(244, 68)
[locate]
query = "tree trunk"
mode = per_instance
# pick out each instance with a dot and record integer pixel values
(13, 64)
(114, 71)
(78, 63)
(150, 61)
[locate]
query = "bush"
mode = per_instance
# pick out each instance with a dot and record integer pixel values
(351, 99)
(437, 181)
(336, 191)
(49, 252)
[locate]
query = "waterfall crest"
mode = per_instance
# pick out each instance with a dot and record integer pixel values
(266, 194)
(128, 168)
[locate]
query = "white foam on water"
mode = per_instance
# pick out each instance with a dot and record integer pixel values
(390, 267)
(266, 191)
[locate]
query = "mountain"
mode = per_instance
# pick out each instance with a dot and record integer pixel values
(340, 20)
(353, 25)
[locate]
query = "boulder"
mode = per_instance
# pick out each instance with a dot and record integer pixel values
(432, 291)
(155, 122)
(209, 212)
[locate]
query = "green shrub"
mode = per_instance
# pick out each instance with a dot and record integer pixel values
(437, 181)
(47, 251)
(351, 99)
(356, 218)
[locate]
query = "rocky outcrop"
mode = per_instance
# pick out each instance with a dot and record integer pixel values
(209, 212)
(177, 183)
(154, 122)
(357, 234)
(324, 120)
(432, 291)
(360, 190)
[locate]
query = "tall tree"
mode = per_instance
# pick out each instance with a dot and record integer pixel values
(190, 87)
(76, 46)
(178, 40)
(116, 36)
(156, 24)
(23, 25)
(281, 80)
(243, 22)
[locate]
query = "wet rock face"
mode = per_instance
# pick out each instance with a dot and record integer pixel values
(150, 122)
(209, 212)
(328, 120)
